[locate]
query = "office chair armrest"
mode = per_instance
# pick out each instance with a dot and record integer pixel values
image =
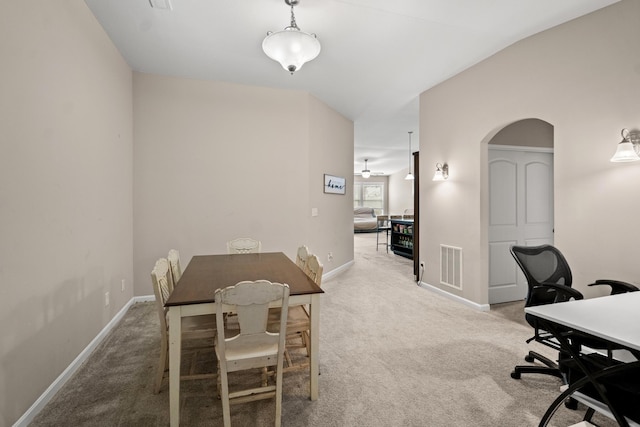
(563, 292)
(617, 287)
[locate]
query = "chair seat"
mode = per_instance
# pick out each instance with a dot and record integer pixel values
(246, 349)
(297, 320)
(194, 327)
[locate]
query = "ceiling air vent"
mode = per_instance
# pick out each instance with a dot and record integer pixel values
(161, 4)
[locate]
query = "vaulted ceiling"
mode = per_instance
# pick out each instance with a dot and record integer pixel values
(377, 56)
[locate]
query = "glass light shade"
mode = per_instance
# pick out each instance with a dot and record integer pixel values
(366, 173)
(409, 176)
(291, 48)
(625, 152)
(438, 176)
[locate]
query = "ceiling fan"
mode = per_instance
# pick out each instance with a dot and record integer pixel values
(366, 173)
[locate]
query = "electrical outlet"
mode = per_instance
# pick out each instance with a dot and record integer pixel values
(330, 256)
(106, 299)
(122, 286)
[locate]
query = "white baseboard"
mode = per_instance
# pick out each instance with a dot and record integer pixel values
(468, 303)
(144, 298)
(48, 394)
(337, 271)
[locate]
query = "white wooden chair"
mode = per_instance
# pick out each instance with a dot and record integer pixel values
(244, 245)
(298, 320)
(314, 268)
(301, 256)
(175, 268)
(193, 328)
(253, 346)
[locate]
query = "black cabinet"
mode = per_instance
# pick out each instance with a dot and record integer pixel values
(402, 237)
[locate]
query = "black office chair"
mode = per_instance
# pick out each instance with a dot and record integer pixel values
(549, 281)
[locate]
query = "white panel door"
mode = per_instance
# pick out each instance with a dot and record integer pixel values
(520, 213)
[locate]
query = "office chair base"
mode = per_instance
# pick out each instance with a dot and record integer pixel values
(572, 404)
(526, 369)
(550, 367)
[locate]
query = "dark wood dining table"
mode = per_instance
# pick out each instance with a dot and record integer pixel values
(194, 295)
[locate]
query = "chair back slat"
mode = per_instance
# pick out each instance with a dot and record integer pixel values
(301, 257)
(161, 289)
(175, 267)
(244, 245)
(314, 269)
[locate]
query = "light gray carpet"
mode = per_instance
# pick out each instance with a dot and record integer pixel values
(391, 354)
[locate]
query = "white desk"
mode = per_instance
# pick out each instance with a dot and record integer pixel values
(615, 318)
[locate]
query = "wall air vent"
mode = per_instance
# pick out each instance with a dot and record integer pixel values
(451, 266)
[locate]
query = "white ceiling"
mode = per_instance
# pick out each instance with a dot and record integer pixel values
(377, 55)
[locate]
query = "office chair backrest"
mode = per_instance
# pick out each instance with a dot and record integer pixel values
(542, 264)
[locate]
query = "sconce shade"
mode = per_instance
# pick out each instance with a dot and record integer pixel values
(625, 153)
(627, 150)
(442, 172)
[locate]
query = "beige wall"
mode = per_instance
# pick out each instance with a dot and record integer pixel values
(400, 193)
(65, 192)
(581, 77)
(525, 133)
(330, 151)
(216, 161)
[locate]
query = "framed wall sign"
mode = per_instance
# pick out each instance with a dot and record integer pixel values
(334, 184)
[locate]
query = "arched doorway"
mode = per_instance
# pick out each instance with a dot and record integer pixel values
(520, 167)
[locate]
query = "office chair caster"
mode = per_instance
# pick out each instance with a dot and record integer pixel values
(515, 375)
(529, 358)
(571, 403)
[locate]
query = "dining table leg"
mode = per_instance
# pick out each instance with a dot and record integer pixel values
(175, 330)
(314, 369)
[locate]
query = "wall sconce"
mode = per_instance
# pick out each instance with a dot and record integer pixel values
(442, 172)
(629, 148)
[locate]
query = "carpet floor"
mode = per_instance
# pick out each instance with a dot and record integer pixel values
(391, 354)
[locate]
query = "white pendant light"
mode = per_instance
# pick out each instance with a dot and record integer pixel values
(291, 47)
(409, 175)
(366, 173)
